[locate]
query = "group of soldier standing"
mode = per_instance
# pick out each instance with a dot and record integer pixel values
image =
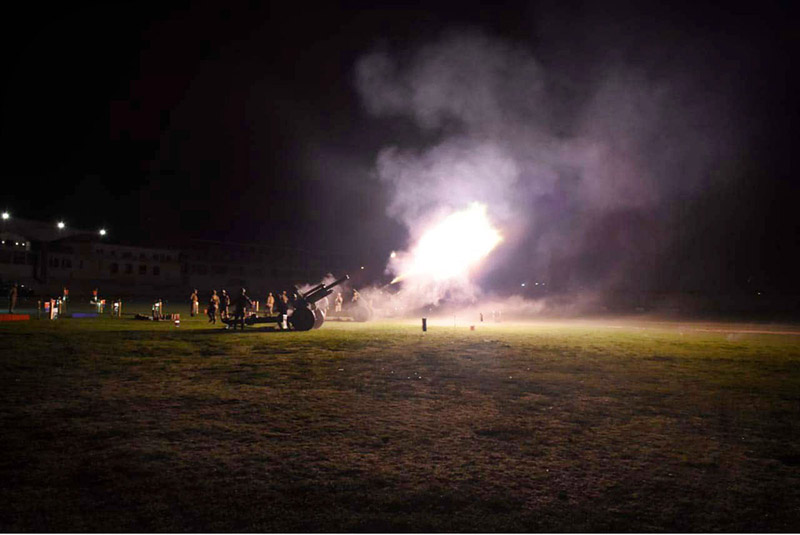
(223, 305)
(236, 308)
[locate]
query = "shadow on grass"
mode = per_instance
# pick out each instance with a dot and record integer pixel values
(248, 330)
(179, 334)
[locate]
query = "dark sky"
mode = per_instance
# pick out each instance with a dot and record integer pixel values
(241, 121)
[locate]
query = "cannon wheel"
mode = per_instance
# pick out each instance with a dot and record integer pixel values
(319, 318)
(302, 319)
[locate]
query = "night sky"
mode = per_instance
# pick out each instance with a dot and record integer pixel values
(259, 122)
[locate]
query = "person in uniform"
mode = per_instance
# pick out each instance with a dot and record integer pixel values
(337, 303)
(356, 296)
(195, 299)
(283, 309)
(213, 305)
(224, 303)
(270, 303)
(12, 298)
(240, 306)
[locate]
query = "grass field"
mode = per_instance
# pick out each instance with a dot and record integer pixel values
(121, 425)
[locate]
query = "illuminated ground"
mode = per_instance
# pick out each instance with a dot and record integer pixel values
(609, 425)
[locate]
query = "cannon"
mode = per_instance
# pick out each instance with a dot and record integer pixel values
(358, 311)
(306, 315)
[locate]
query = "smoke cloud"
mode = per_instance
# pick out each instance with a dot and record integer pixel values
(582, 177)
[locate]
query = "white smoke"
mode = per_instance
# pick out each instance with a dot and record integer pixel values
(575, 185)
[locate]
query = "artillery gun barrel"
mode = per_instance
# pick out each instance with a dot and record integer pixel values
(314, 289)
(323, 290)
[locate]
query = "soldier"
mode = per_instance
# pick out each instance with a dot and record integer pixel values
(283, 309)
(240, 307)
(195, 299)
(270, 303)
(12, 298)
(337, 303)
(158, 309)
(356, 296)
(224, 303)
(213, 305)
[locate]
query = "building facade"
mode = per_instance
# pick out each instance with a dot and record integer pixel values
(47, 259)
(259, 268)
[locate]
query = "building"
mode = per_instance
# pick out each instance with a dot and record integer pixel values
(48, 257)
(259, 268)
(122, 270)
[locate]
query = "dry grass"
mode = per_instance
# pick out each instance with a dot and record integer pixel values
(116, 425)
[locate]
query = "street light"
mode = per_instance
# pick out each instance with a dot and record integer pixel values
(61, 225)
(102, 232)
(6, 215)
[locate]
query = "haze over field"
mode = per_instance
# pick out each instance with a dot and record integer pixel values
(589, 165)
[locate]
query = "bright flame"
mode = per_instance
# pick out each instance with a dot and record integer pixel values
(453, 246)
